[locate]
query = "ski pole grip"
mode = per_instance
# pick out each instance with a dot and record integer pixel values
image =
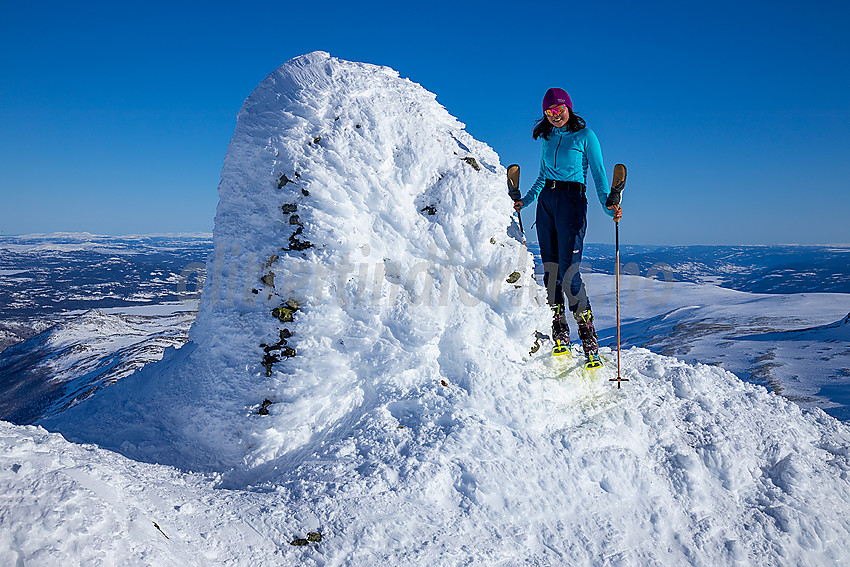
(617, 186)
(513, 183)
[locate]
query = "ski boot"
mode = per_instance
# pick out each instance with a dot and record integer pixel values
(560, 331)
(589, 343)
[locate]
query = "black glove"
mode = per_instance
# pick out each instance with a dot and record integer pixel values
(615, 195)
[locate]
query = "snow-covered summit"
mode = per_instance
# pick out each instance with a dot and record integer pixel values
(361, 360)
(361, 229)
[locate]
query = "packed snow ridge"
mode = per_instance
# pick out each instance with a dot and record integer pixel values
(361, 367)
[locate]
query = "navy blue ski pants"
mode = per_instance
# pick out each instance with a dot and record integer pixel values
(561, 225)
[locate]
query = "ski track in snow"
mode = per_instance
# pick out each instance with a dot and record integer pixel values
(412, 427)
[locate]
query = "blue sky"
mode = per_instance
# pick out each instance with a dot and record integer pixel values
(733, 117)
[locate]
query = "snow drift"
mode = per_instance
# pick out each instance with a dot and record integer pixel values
(361, 360)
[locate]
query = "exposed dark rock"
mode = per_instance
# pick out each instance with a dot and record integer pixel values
(295, 243)
(473, 162)
(285, 311)
(264, 409)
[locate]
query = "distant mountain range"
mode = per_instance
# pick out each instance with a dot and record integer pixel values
(44, 279)
(84, 311)
(757, 269)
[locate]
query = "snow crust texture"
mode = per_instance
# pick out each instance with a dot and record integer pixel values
(360, 368)
(690, 466)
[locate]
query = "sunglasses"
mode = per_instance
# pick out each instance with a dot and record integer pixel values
(553, 112)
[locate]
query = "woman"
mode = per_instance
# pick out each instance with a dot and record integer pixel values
(568, 148)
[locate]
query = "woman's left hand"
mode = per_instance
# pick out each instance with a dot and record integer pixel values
(618, 212)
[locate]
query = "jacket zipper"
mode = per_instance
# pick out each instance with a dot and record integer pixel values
(555, 166)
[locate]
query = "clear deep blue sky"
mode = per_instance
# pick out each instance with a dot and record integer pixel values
(733, 117)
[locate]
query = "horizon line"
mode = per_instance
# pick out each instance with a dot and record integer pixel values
(209, 235)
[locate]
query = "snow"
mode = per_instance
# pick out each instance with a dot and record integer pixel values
(68, 504)
(412, 426)
(796, 343)
(70, 361)
(97, 243)
(686, 465)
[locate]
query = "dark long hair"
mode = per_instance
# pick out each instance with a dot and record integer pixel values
(543, 127)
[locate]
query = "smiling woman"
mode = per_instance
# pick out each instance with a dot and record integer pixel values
(568, 148)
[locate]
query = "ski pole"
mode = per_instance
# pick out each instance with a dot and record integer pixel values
(617, 280)
(619, 379)
(617, 185)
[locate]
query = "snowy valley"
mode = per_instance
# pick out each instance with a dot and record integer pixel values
(358, 387)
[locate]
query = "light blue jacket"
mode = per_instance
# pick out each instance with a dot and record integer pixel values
(565, 156)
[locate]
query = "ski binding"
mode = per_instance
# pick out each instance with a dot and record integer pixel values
(561, 348)
(593, 362)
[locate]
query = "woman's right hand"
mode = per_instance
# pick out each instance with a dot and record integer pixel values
(518, 205)
(618, 212)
